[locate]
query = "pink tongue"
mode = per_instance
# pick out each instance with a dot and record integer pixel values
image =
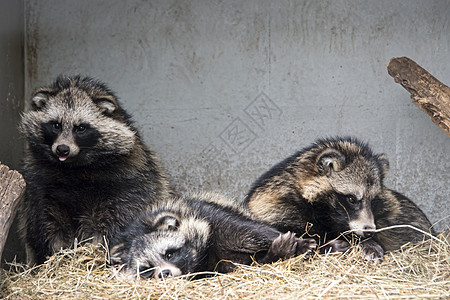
(62, 158)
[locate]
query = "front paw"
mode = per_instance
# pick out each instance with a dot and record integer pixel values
(335, 246)
(306, 245)
(372, 251)
(284, 246)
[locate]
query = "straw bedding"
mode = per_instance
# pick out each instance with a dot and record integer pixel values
(416, 271)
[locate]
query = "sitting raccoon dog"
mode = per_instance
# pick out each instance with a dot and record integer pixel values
(202, 232)
(87, 171)
(336, 185)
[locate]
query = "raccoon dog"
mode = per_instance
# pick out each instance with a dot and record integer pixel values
(87, 170)
(336, 185)
(201, 232)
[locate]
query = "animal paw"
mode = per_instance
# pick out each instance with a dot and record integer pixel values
(284, 246)
(372, 251)
(306, 245)
(335, 246)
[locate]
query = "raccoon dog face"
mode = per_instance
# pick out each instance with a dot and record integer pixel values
(76, 121)
(354, 177)
(161, 245)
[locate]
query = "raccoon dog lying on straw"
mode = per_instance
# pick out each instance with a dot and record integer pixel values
(336, 185)
(201, 232)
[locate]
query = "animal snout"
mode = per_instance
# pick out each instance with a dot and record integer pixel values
(364, 223)
(62, 150)
(362, 229)
(165, 273)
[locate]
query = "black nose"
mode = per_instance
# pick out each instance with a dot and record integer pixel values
(63, 150)
(368, 233)
(165, 273)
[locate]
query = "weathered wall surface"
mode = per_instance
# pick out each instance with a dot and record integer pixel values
(222, 90)
(11, 94)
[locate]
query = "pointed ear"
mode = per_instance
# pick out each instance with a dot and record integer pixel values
(329, 161)
(40, 98)
(107, 104)
(116, 254)
(168, 223)
(384, 163)
(165, 222)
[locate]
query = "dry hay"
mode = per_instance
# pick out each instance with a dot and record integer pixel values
(416, 271)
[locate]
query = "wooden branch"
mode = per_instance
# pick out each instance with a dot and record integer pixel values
(428, 93)
(12, 190)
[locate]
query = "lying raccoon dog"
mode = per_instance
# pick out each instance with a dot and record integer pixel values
(201, 232)
(88, 173)
(336, 185)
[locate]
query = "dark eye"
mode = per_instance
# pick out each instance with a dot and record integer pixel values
(80, 128)
(170, 254)
(351, 199)
(57, 126)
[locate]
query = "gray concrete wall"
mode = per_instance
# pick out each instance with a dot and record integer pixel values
(12, 81)
(222, 90)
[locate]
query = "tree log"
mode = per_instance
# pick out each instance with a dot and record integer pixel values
(427, 93)
(12, 190)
